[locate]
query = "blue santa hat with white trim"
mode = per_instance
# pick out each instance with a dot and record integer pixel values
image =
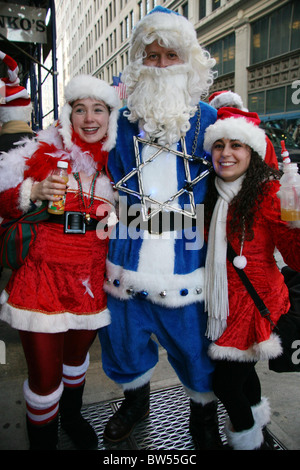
(162, 23)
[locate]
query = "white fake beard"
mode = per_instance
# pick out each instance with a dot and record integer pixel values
(161, 101)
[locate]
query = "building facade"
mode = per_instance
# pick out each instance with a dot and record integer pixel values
(256, 45)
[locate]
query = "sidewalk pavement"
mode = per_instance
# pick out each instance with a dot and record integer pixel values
(282, 390)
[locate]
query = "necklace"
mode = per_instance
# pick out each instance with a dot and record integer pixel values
(87, 215)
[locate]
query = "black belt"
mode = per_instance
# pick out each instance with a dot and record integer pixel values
(73, 222)
(160, 222)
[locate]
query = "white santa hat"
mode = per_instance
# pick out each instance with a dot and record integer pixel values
(87, 86)
(226, 98)
(15, 103)
(235, 124)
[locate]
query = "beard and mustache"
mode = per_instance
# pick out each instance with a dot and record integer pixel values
(160, 99)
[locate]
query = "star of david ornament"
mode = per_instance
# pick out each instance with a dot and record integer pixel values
(163, 205)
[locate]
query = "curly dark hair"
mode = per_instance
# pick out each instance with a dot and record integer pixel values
(247, 202)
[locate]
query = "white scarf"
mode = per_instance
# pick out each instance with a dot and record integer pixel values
(216, 287)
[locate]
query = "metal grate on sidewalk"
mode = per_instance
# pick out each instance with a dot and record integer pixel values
(166, 428)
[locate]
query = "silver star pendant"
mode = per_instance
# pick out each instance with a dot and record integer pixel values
(165, 205)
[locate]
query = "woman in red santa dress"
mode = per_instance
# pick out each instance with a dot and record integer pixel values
(55, 299)
(242, 207)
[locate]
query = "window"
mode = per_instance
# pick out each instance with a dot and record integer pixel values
(215, 4)
(147, 6)
(277, 33)
(140, 5)
(223, 52)
(121, 32)
(274, 101)
(202, 9)
(185, 10)
(126, 27)
(256, 102)
(295, 29)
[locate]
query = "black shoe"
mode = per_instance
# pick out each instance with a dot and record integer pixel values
(204, 426)
(72, 422)
(133, 409)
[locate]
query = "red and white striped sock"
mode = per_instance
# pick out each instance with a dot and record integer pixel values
(74, 376)
(41, 408)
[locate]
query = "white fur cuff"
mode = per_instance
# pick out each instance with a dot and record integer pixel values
(41, 402)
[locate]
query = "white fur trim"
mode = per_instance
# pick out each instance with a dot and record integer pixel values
(28, 320)
(74, 371)
(24, 195)
(262, 412)
(268, 349)
(139, 382)
(294, 224)
(228, 98)
(134, 282)
(200, 397)
(249, 439)
(41, 402)
(13, 164)
(265, 350)
(65, 129)
(87, 86)
(239, 129)
(15, 113)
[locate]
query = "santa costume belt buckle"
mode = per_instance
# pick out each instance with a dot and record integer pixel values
(74, 222)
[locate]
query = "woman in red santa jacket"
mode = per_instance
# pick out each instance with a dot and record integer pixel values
(243, 207)
(55, 299)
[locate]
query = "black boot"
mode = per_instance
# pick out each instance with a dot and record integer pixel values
(72, 422)
(43, 436)
(133, 409)
(204, 426)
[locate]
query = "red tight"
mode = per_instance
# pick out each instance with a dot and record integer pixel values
(46, 353)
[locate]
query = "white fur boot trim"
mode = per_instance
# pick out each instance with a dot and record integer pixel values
(139, 382)
(262, 412)
(249, 439)
(74, 371)
(200, 397)
(74, 376)
(41, 402)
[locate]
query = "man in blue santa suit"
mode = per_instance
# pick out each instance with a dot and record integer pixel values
(155, 270)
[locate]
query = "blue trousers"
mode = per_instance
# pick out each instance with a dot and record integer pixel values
(128, 351)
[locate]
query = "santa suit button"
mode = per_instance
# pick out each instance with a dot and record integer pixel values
(143, 294)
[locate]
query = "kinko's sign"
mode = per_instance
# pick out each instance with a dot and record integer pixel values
(22, 23)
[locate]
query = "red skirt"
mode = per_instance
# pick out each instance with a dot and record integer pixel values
(60, 286)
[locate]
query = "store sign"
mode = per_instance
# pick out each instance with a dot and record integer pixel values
(22, 23)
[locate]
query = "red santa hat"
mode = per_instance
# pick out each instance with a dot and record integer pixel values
(235, 124)
(15, 103)
(87, 86)
(226, 98)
